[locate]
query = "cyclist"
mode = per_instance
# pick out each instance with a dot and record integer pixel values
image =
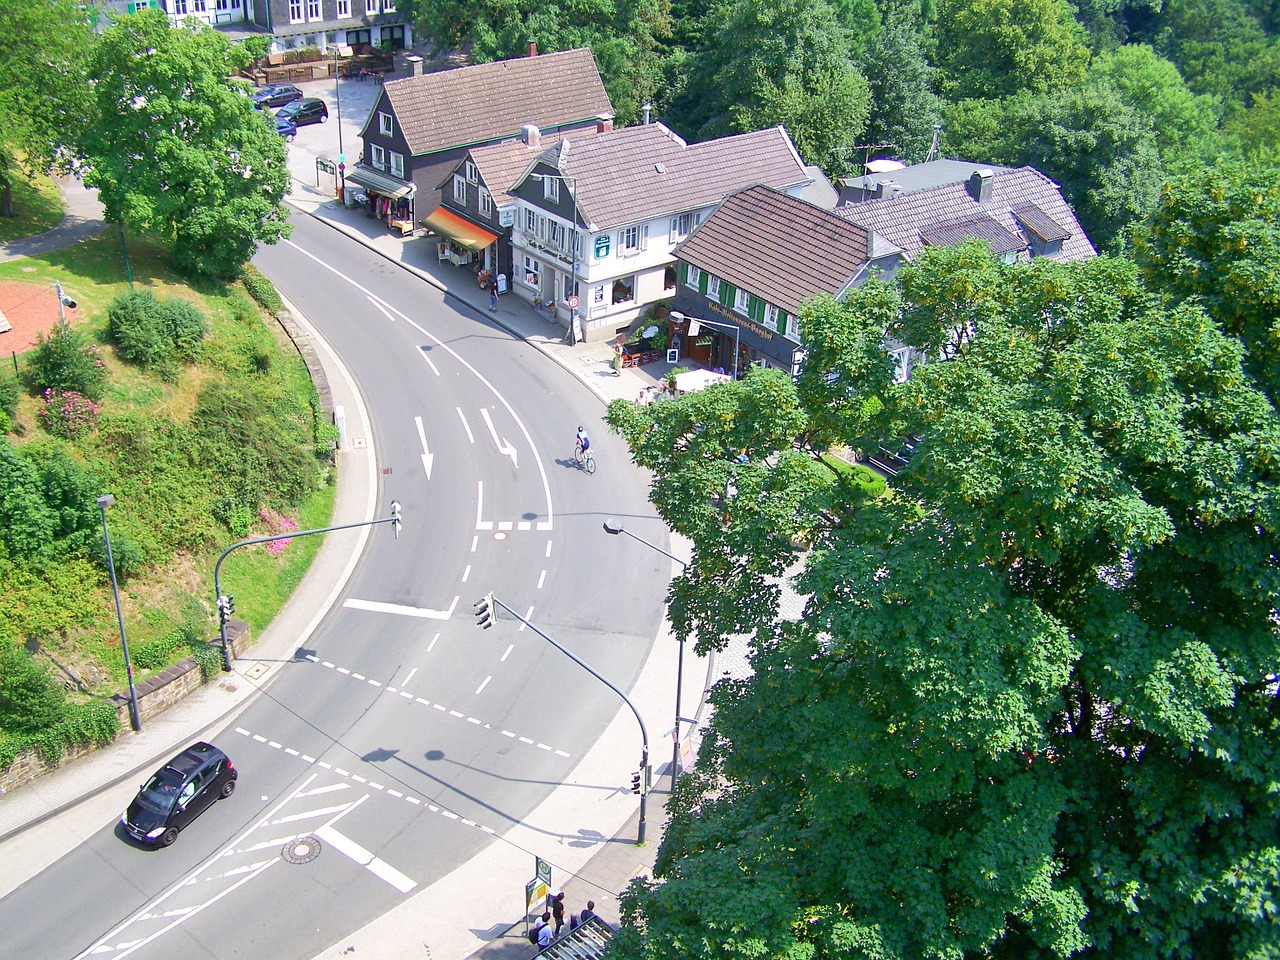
(582, 445)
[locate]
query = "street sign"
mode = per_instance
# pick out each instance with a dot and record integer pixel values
(535, 897)
(543, 869)
(572, 302)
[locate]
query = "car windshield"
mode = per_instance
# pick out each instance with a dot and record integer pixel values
(162, 789)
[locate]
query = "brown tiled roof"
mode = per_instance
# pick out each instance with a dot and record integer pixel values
(980, 227)
(905, 219)
(782, 249)
(490, 101)
(632, 174)
(500, 165)
(1040, 223)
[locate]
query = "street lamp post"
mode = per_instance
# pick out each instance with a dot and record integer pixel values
(484, 618)
(573, 243)
(615, 527)
(342, 157)
(104, 501)
(693, 332)
(226, 604)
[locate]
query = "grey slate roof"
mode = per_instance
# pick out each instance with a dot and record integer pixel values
(910, 219)
(782, 249)
(920, 176)
(490, 101)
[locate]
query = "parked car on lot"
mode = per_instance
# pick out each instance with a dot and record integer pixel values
(286, 128)
(304, 111)
(276, 96)
(179, 792)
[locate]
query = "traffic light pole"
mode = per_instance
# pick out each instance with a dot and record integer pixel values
(226, 604)
(485, 620)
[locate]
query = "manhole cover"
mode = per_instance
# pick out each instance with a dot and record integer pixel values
(301, 850)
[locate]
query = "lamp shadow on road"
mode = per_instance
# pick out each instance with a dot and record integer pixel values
(582, 838)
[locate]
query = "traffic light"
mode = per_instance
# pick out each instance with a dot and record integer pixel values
(636, 779)
(226, 607)
(395, 517)
(484, 611)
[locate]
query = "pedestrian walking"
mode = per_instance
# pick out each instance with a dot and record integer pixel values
(493, 299)
(557, 910)
(588, 912)
(541, 935)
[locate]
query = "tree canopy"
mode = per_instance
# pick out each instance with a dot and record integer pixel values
(175, 148)
(1030, 708)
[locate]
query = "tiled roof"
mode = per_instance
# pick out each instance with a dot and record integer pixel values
(632, 174)
(490, 101)
(1040, 223)
(980, 227)
(919, 176)
(905, 219)
(500, 165)
(782, 249)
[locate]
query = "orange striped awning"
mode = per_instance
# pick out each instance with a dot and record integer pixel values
(462, 231)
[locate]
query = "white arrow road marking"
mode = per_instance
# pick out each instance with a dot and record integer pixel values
(427, 456)
(374, 864)
(424, 613)
(504, 448)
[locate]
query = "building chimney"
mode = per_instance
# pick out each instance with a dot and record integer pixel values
(604, 124)
(979, 185)
(415, 65)
(647, 107)
(533, 48)
(531, 135)
(887, 188)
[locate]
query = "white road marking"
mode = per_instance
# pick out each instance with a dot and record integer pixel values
(481, 523)
(527, 616)
(541, 578)
(465, 426)
(504, 448)
(377, 606)
(483, 684)
(427, 457)
(548, 548)
(506, 653)
(466, 573)
(319, 790)
(311, 814)
(475, 542)
(375, 865)
(427, 357)
(432, 645)
(385, 312)
(411, 673)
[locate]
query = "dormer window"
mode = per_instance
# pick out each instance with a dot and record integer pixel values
(551, 189)
(473, 175)
(384, 123)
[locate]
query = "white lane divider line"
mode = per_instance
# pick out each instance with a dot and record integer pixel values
(374, 864)
(428, 458)
(347, 808)
(506, 653)
(481, 523)
(401, 610)
(542, 577)
(475, 542)
(466, 573)
(456, 714)
(427, 357)
(548, 549)
(411, 673)
(432, 645)
(465, 426)
(527, 616)
(484, 683)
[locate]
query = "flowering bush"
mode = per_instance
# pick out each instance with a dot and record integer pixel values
(67, 414)
(66, 360)
(277, 523)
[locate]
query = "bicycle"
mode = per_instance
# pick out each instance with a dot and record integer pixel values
(585, 459)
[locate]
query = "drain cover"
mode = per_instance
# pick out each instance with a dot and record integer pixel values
(301, 850)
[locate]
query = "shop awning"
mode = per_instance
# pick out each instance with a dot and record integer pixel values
(382, 183)
(459, 230)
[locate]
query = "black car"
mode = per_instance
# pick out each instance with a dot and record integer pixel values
(179, 792)
(304, 111)
(276, 96)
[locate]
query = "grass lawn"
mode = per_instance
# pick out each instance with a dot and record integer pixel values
(37, 206)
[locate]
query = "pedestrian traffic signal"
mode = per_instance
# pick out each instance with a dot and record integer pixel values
(484, 611)
(226, 607)
(636, 779)
(395, 517)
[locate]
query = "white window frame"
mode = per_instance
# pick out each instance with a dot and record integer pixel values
(397, 164)
(388, 6)
(681, 224)
(296, 9)
(556, 234)
(713, 288)
(530, 222)
(315, 11)
(459, 190)
(473, 175)
(793, 328)
(901, 365)
(741, 301)
(385, 124)
(486, 203)
(632, 240)
(771, 316)
(377, 157)
(551, 188)
(370, 7)
(198, 6)
(532, 267)
(343, 10)
(692, 277)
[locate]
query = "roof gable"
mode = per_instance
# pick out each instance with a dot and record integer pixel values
(492, 101)
(782, 249)
(637, 173)
(1022, 201)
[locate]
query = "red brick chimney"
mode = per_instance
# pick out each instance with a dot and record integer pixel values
(604, 124)
(533, 48)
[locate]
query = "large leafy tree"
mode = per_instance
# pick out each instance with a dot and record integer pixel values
(43, 91)
(904, 106)
(1030, 709)
(175, 148)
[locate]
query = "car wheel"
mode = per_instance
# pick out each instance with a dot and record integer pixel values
(168, 836)
(228, 789)
(324, 118)
(288, 138)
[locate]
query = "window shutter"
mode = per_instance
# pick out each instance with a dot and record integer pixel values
(703, 281)
(755, 308)
(644, 237)
(671, 237)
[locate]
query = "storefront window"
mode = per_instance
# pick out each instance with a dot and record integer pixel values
(669, 277)
(624, 290)
(532, 273)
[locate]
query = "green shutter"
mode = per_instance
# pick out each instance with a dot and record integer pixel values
(703, 279)
(755, 308)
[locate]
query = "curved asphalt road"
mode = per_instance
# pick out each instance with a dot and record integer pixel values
(404, 738)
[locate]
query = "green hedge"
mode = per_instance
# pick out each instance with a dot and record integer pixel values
(261, 289)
